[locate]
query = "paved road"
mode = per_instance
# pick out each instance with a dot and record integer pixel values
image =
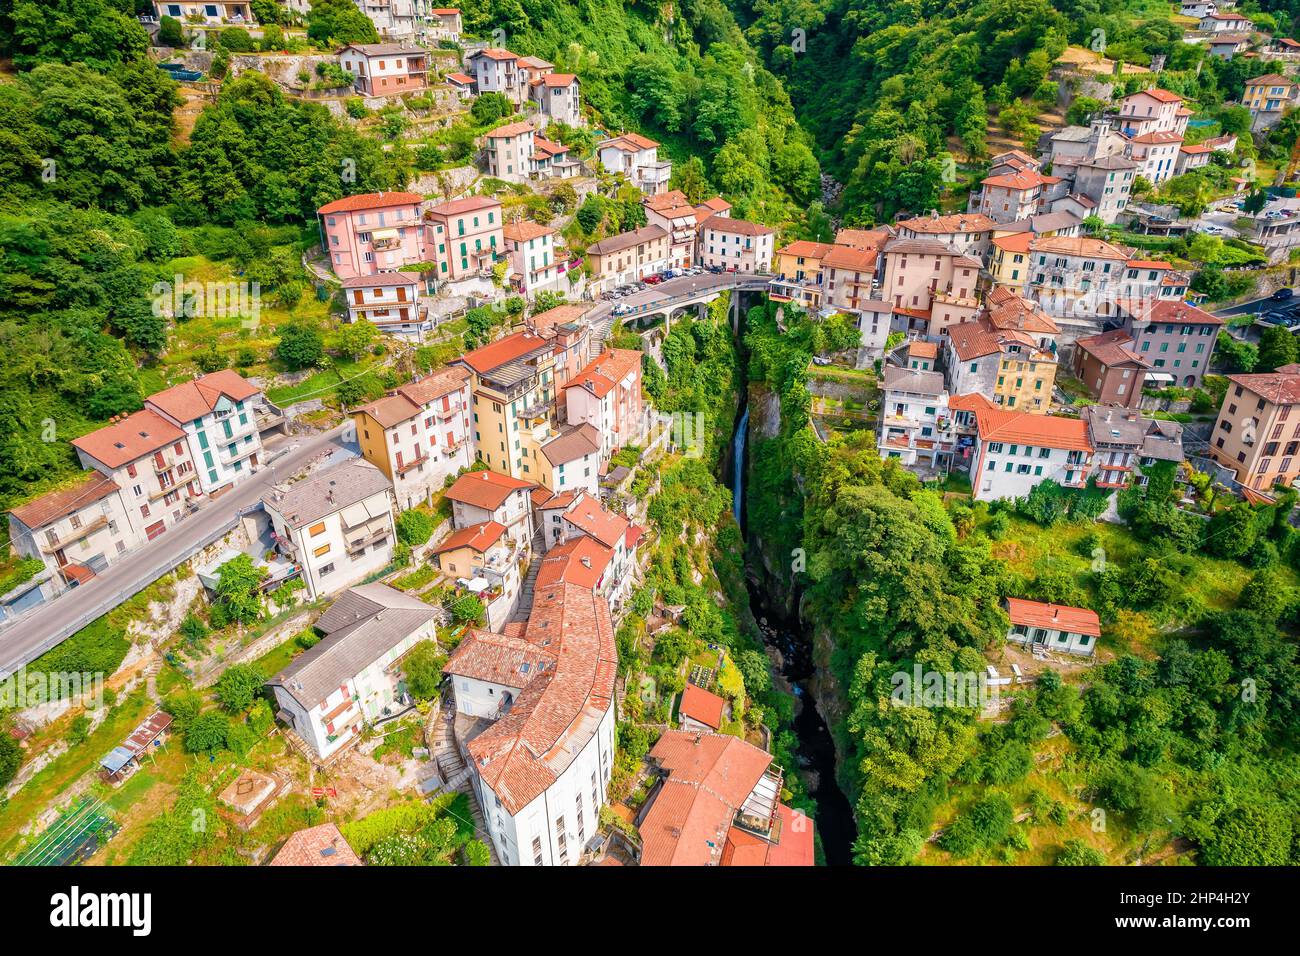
(55, 621)
(672, 290)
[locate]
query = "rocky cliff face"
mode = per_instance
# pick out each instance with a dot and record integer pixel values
(767, 562)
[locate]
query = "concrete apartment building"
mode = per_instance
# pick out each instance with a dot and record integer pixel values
(481, 496)
(1077, 280)
(736, 245)
(148, 458)
(485, 561)
(1257, 433)
(1006, 366)
(76, 532)
(1152, 110)
(390, 301)
(216, 413)
(671, 212)
(1268, 97)
(571, 460)
(1125, 444)
(498, 71)
(914, 417)
(628, 257)
(336, 525)
(1156, 154)
(372, 232)
(1014, 451)
(607, 395)
(970, 233)
(353, 676)
(464, 237)
(916, 269)
(850, 277)
(209, 12)
(385, 69)
(420, 435)
(799, 273)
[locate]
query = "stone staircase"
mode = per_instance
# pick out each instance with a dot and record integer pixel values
(601, 330)
(451, 766)
(454, 772)
(525, 606)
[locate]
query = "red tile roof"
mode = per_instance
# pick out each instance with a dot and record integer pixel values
(1058, 617)
(1281, 387)
(467, 204)
(709, 777)
(793, 834)
(495, 53)
(559, 710)
(580, 560)
(389, 411)
(606, 370)
(478, 537)
(371, 201)
(1164, 96)
(629, 142)
(1112, 349)
(435, 385)
(523, 231)
(1174, 311)
(485, 489)
(1027, 428)
(59, 504)
(194, 399)
(738, 227)
(806, 249)
(499, 659)
(318, 846)
(701, 705)
(591, 517)
(139, 434)
(850, 258)
(511, 130)
(943, 225)
(498, 353)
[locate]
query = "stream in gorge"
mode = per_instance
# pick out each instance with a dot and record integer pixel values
(816, 750)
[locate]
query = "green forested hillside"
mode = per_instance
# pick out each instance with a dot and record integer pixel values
(890, 87)
(681, 72)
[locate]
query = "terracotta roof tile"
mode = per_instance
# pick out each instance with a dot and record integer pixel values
(1062, 617)
(194, 399)
(59, 504)
(371, 201)
(485, 489)
(140, 433)
(317, 846)
(699, 704)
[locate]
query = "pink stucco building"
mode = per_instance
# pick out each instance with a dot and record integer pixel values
(372, 233)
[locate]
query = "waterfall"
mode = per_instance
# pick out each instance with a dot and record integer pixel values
(738, 466)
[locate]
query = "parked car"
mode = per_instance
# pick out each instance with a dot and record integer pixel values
(1281, 295)
(1212, 230)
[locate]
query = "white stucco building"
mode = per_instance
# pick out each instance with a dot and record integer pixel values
(336, 525)
(535, 722)
(353, 676)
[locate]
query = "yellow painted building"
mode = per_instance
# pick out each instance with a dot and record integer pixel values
(1009, 261)
(1025, 383)
(513, 402)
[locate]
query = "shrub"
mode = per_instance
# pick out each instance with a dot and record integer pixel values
(414, 527)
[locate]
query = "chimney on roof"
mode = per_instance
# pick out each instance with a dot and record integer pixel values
(586, 561)
(1056, 612)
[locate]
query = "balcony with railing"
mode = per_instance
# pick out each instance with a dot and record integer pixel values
(53, 541)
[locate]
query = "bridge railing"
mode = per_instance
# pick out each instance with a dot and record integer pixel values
(743, 281)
